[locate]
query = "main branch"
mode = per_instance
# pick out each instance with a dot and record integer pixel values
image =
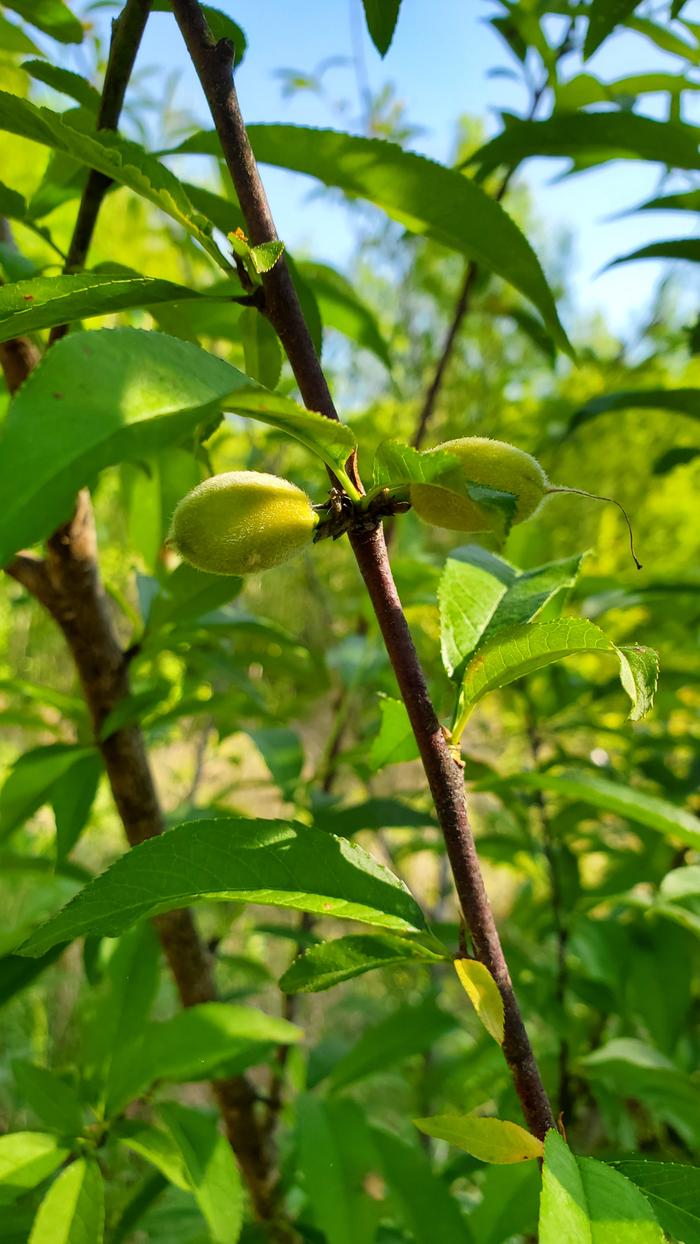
(68, 584)
(214, 63)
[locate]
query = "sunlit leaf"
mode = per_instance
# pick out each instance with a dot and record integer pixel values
(124, 161)
(587, 1201)
(73, 1210)
(490, 1140)
(96, 399)
(521, 650)
(484, 995)
(26, 1159)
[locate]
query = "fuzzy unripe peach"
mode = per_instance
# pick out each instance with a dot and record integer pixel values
(242, 522)
(483, 461)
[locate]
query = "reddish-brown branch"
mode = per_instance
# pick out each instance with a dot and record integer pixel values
(213, 63)
(68, 584)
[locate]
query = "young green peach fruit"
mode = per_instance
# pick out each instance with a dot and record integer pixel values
(483, 461)
(242, 522)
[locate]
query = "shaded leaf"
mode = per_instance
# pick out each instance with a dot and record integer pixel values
(52, 1100)
(679, 401)
(409, 1030)
(220, 24)
(328, 963)
(208, 1041)
(672, 1190)
(395, 741)
(34, 779)
(26, 306)
(424, 196)
(682, 248)
(381, 17)
(65, 81)
(430, 1211)
(599, 136)
(261, 348)
(336, 1159)
(211, 1169)
(603, 17)
(231, 859)
(342, 310)
(332, 441)
(634, 805)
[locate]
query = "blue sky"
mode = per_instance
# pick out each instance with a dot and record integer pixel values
(438, 65)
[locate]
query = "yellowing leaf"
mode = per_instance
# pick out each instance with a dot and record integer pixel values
(484, 995)
(489, 1140)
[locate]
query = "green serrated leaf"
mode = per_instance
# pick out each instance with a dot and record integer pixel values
(328, 963)
(381, 17)
(65, 81)
(124, 161)
(426, 197)
(480, 594)
(587, 1202)
(283, 864)
(597, 136)
(520, 650)
(678, 401)
(96, 399)
(27, 306)
(672, 1190)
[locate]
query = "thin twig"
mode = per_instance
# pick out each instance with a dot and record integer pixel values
(213, 62)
